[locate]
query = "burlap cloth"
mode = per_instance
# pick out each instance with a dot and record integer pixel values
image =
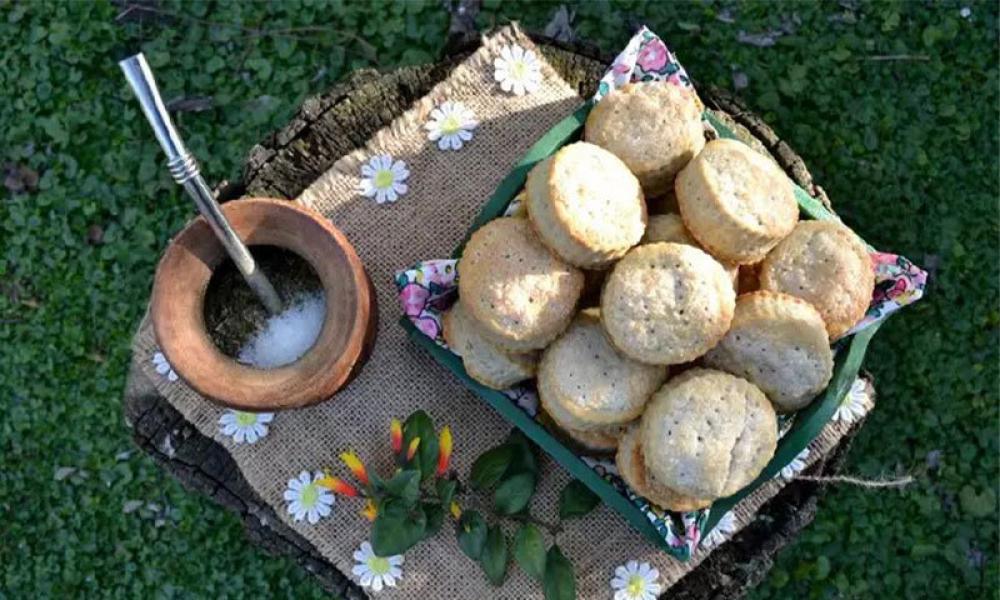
(446, 191)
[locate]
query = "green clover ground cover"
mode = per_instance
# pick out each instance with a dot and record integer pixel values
(893, 106)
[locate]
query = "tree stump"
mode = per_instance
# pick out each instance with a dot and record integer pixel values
(285, 163)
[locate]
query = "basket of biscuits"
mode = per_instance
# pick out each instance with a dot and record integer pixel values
(657, 305)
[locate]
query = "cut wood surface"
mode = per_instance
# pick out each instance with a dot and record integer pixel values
(339, 121)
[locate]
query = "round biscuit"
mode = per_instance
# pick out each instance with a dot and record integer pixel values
(735, 201)
(584, 383)
(670, 228)
(827, 265)
(519, 293)
(707, 434)
(484, 361)
(667, 303)
(631, 465)
(779, 343)
(600, 440)
(586, 205)
(654, 127)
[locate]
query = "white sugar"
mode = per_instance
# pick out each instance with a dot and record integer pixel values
(286, 336)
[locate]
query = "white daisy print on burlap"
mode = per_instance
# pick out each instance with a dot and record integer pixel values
(244, 427)
(382, 178)
(721, 532)
(376, 572)
(163, 367)
(518, 71)
(451, 125)
(853, 406)
(307, 499)
(636, 581)
(796, 466)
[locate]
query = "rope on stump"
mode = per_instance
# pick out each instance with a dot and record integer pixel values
(900, 482)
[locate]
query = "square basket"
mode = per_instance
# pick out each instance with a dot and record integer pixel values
(652, 523)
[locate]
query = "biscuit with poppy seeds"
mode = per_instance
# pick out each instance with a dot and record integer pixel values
(707, 434)
(585, 384)
(654, 127)
(827, 265)
(519, 293)
(735, 201)
(670, 228)
(586, 205)
(484, 361)
(631, 464)
(779, 343)
(667, 303)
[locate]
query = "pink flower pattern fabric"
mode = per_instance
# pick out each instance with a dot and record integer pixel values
(645, 58)
(898, 282)
(425, 291)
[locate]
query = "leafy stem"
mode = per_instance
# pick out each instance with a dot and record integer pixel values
(412, 504)
(554, 529)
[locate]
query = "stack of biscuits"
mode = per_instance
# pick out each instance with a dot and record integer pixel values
(674, 339)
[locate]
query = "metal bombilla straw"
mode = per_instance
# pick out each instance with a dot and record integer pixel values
(185, 171)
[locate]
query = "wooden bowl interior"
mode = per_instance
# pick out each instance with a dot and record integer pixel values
(182, 280)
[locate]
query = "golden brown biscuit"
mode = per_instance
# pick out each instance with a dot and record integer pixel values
(631, 464)
(586, 205)
(670, 228)
(484, 361)
(736, 202)
(667, 303)
(779, 343)
(654, 127)
(520, 294)
(584, 383)
(667, 228)
(707, 434)
(602, 440)
(827, 265)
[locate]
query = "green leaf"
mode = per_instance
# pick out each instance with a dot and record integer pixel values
(415, 56)
(529, 550)
(576, 500)
(472, 534)
(214, 64)
(490, 466)
(405, 485)
(446, 492)
(978, 505)
(494, 556)
(559, 582)
(434, 514)
(419, 424)
(822, 568)
(261, 65)
(396, 529)
(523, 460)
(513, 494)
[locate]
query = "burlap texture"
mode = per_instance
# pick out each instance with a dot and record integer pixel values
(446, 191)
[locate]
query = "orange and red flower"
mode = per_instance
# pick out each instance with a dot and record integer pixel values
(354, 463)
(396, 436)
(339, 486)
(444, 450)
(370, 511)
(412, 450)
